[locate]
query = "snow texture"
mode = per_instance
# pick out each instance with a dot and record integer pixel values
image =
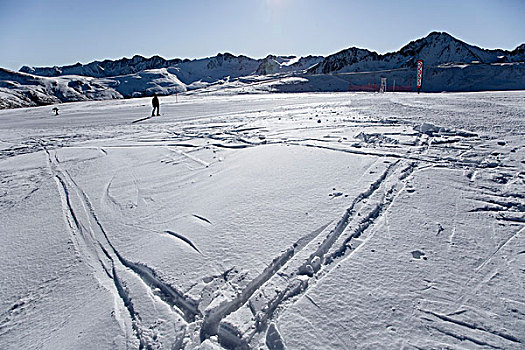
(270, 221)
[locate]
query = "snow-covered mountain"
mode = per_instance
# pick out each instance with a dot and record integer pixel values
(446, 59)
(106, 68)
(279, 64)
(19, 89)
(435, 49)
(134, 77)
(213, 69)
(206, 68)
(210, 69)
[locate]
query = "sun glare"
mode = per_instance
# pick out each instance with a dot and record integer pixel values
(275, 4)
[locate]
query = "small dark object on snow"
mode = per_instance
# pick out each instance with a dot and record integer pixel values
(156, 105)
(318, 120)
(55, 110)
(417, 254)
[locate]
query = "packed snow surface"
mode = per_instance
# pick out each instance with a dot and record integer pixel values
(268, 221)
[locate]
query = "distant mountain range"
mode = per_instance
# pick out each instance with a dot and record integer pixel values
(208, 69)
(450, 64)
(435, 49)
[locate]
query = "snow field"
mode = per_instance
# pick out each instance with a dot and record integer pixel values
(278, 221)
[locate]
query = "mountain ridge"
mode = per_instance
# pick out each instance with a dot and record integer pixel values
(345, 59)
(452, 64)
(453, 50)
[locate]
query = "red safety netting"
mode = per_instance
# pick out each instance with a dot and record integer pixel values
(375, 87)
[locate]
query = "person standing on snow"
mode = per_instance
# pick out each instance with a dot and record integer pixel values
(156, 105)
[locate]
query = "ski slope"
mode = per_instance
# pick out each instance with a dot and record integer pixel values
(265, 221)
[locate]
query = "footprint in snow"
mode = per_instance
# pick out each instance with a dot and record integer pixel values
(417, 254)
(335, 194)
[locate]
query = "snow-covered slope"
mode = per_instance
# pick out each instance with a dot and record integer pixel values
(146, 83)
(279, 64)
(273, 221)
(21, 89)
(213, 69)
(447, 77)
(124, 78)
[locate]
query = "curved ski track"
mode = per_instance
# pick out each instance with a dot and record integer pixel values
(94, 245)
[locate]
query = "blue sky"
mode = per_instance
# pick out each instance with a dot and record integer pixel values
(59, 32)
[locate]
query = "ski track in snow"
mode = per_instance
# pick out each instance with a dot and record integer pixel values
(202, 218)
(307, 270)
(289, 276)
(95, 245)
(184, 239)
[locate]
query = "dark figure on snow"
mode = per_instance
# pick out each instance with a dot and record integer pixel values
(55, 110)
(156, 105)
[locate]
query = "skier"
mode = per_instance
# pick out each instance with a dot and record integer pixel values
(55, 110)
(156, 105)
